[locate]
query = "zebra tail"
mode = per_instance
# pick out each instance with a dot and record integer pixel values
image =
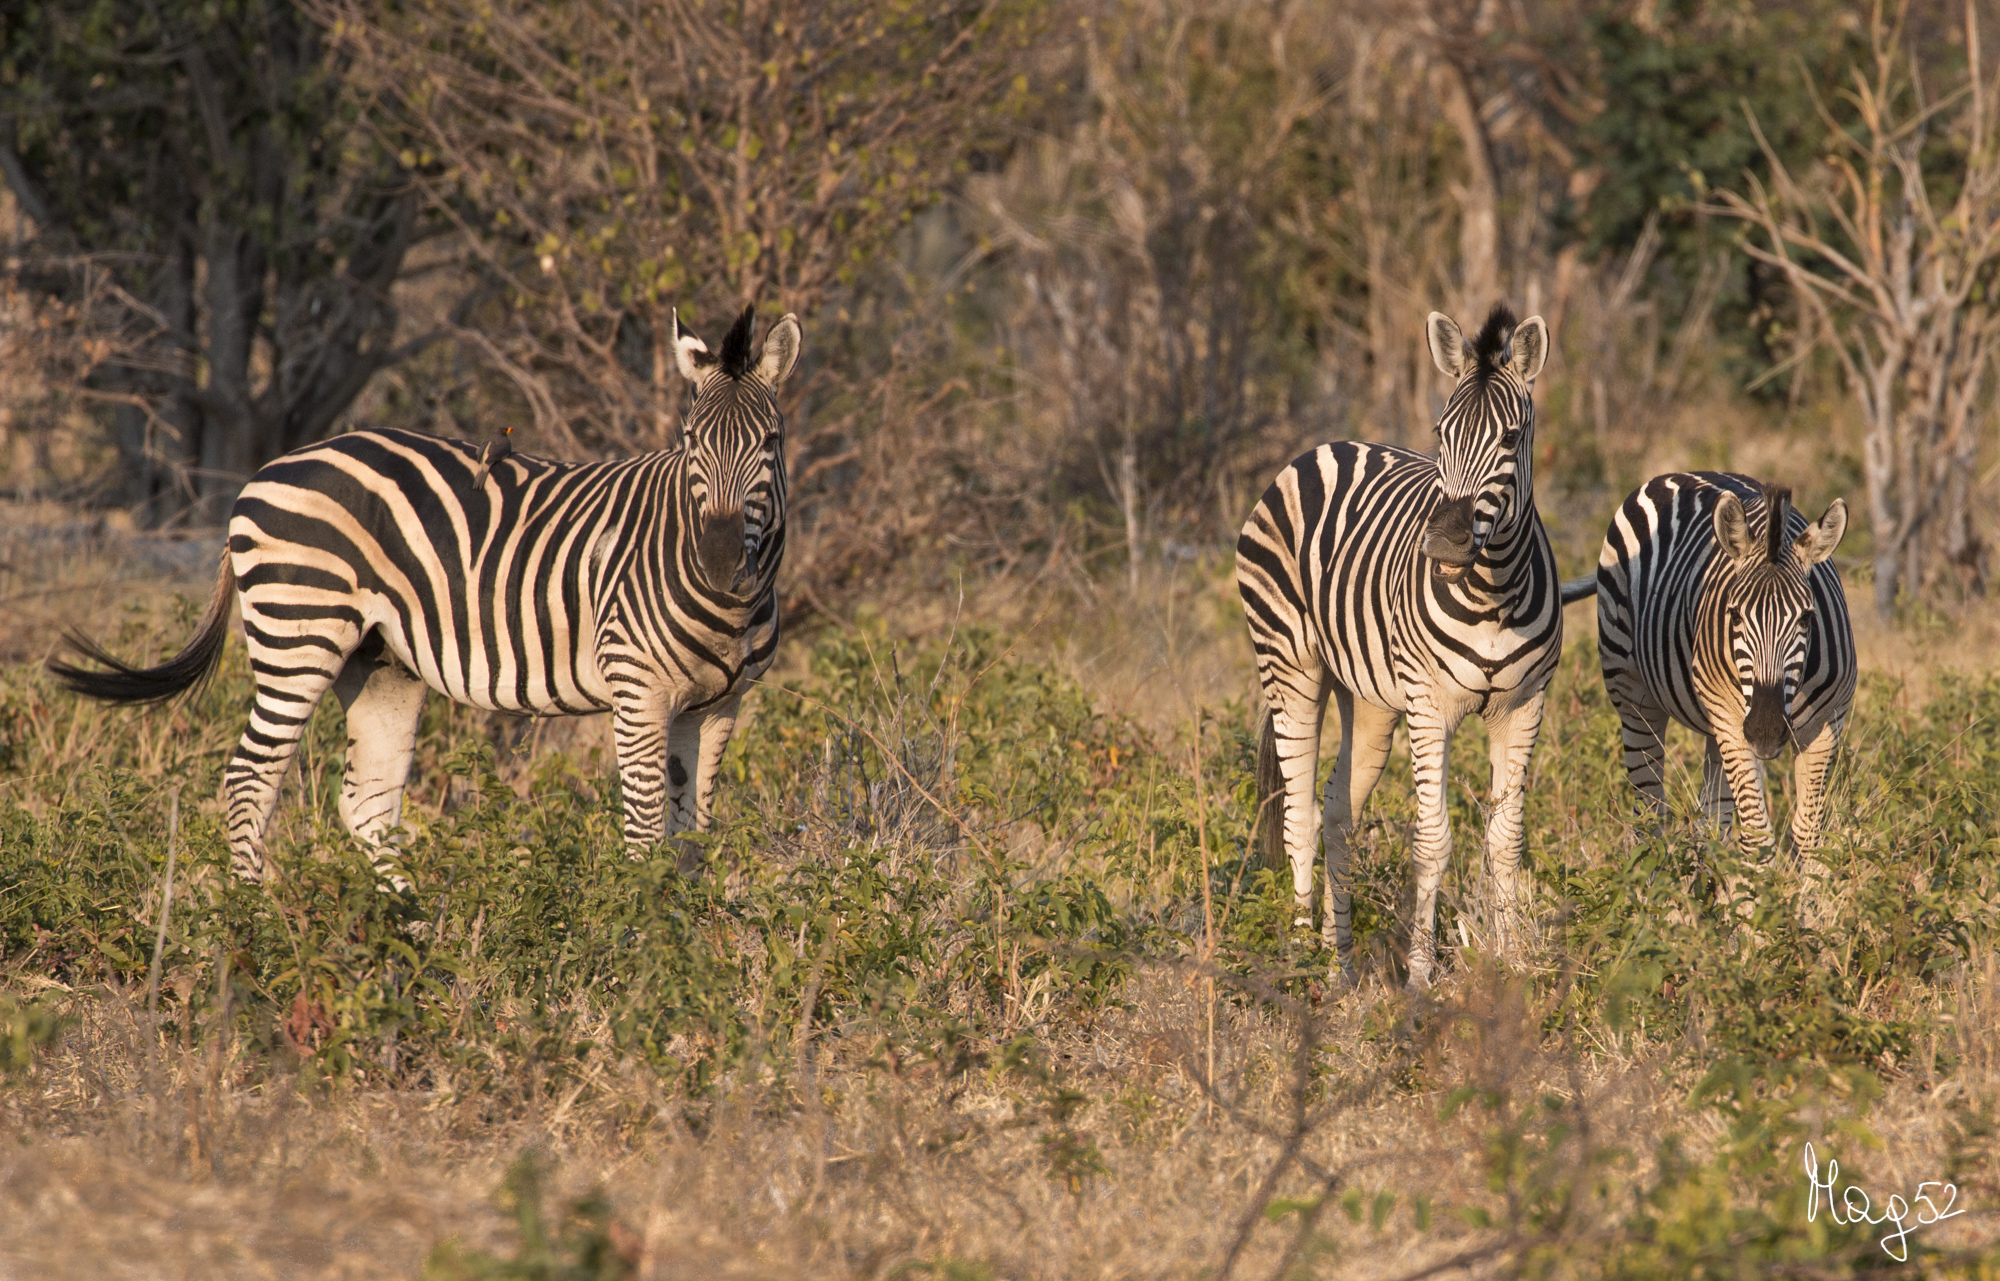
(1577, 589)
(1270, 798)
(122, 683)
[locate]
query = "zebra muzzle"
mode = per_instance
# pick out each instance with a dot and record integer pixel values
(1448, 539)
(1766, 727)
(721, 551)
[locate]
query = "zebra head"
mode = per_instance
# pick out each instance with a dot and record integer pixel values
(1486, 435)
(1761, 590)
(733, 438)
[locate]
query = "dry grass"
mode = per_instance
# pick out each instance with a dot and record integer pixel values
(139, 1154)
(135, 1160)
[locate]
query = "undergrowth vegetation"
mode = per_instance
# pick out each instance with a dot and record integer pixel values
(938, 868)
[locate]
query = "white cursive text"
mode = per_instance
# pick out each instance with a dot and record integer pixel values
(1855, 1203)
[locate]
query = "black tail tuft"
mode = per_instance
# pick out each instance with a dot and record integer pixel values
(1271, 799)
(1577, 589)
(187, 670)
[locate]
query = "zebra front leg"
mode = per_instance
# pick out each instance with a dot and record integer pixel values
(694, 757)
(641, 724)
(1718, 800)
(1809, 769)
(384, 702)
(1366, 732)
(716, 727)
(1430, 754)
(1744, 795)
(1733, 782)
(1512, 736)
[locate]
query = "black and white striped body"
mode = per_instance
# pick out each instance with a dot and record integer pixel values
(1397, 586)
(1706, 619)
(383, 564)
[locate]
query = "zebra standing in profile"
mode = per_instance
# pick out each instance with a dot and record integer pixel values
(1717, 607)
(1401, 586)
(382, 564)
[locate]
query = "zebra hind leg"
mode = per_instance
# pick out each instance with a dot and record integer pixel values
(384, 702)
(1294, 728)
(1366, 732)
(291, 676)
(1642, 727)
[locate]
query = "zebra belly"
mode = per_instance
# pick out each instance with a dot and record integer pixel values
(326, 550)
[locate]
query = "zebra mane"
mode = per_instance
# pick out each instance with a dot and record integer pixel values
(1492, 339)
(736, 352)
(1777, 519)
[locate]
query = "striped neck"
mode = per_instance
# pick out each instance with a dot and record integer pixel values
(1510, 549)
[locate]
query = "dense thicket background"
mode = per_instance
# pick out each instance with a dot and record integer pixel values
(978, 975)
(1076, 274)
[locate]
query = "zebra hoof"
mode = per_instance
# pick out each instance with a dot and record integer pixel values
(1302, 939)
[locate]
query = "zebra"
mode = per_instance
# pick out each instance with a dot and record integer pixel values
(1398, 586)
(1718, 607)
(373, 565)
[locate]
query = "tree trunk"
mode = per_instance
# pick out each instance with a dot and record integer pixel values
(1478, 198)
(1878, 464)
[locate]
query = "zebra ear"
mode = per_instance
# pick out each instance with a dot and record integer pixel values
(1732, 531)
(1447, 344)
(1530, 347)
(1819, 540)
(691, 355)
(781, 351)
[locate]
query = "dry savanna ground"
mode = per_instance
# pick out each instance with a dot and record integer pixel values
(974, 980)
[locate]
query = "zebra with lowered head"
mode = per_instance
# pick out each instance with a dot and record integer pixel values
(383, 564)
(1718, 607)
(1399, 586)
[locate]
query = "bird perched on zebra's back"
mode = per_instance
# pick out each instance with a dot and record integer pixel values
(1395, 585)
(1718, 607)
(382, 564)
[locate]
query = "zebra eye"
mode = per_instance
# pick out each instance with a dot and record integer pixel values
(1510, 438)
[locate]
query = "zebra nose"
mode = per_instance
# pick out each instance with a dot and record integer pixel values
(721, 551)
(1448, 533)
(1766, 728)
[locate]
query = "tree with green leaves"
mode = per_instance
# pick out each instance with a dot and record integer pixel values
(222, 233)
